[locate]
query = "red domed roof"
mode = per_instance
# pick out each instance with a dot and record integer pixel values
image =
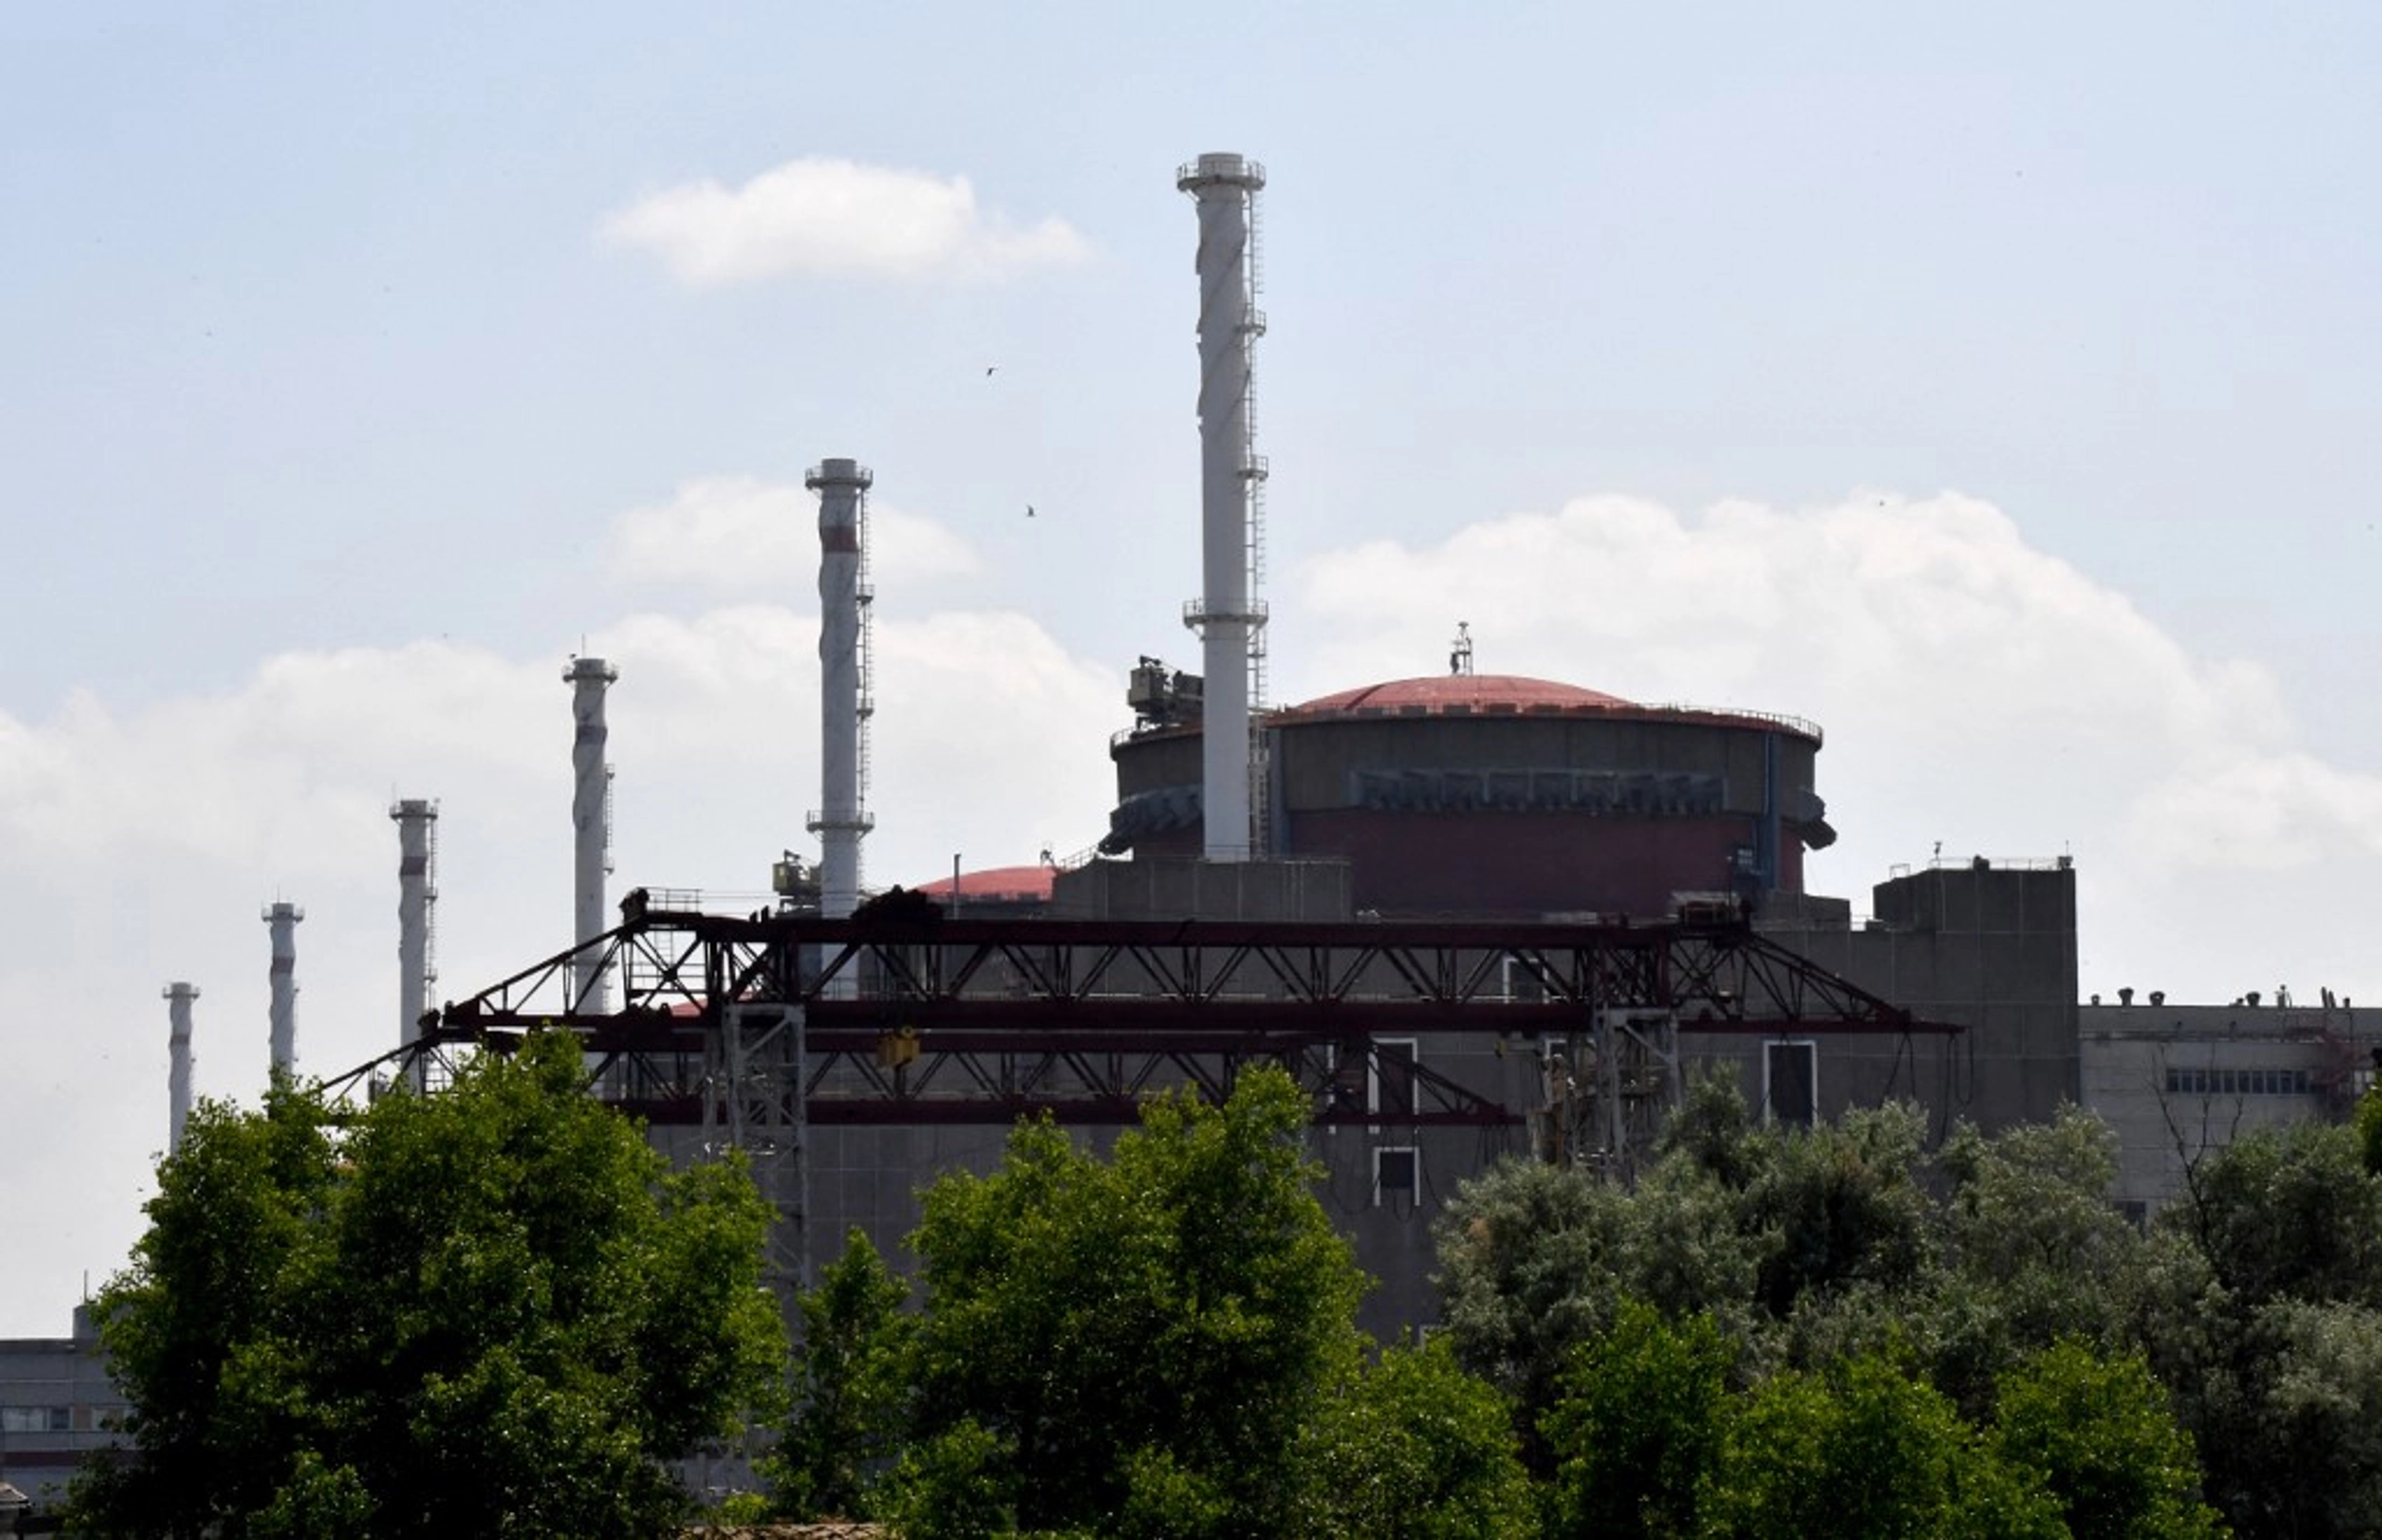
(1516, 695)
(1460, 694)
(997, 884)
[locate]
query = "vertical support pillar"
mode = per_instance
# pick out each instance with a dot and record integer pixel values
(753, 1101)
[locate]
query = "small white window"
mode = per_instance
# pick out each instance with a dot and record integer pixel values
(1390, 1090)
(1397, 1175)
(1790, 1083)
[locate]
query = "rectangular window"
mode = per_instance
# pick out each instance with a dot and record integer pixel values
(33, 1419)
(1347, 1085)
(1790, 1083)
(1392, 1091)
(2269, 1081)
(1397, 1175)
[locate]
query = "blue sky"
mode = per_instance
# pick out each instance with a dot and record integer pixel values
(1998, 390)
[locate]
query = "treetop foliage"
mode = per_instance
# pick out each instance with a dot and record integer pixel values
(2227, 1357)
(1157, 1342)
(492, 1311)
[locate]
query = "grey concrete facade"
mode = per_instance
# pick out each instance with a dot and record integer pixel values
(1987, 946)
(57, 1406)
(2179, 1082)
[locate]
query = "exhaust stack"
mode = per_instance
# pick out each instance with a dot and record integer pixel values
(177, 998)
(844, 703)
(591, 822)
(1228, 616)
(283, 919)
(417, 821)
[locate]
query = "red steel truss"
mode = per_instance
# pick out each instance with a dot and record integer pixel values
(919, 1020)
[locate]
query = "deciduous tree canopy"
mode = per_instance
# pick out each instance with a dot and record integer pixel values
(1160, 1342)
(488, 1311)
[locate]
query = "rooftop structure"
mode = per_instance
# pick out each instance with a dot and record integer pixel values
(1496, 796)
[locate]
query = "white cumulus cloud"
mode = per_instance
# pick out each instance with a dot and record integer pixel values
(741, 534)
(1975, 689)
(826, 218)
(140, 842)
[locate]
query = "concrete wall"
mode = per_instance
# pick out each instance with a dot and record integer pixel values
(1185, 888)
(1991, 948)
(56, 1407)
(1524, 867)
(2177, 1083)
(1508, 814)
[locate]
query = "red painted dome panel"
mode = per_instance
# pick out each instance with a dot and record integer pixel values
(1459, 694)
(997, 884)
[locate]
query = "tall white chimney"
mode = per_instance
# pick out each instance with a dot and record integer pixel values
(844, 703)
(417, 821)
(177, 998)
(591, 823)
(1227, 614)
(284, 917)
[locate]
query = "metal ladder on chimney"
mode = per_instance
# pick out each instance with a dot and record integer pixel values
(1253, 476)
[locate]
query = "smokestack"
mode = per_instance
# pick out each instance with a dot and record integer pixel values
(177, 998)
(417, 821)
(283, 919)
(1228, 615)
(843, 705)
(591, 822)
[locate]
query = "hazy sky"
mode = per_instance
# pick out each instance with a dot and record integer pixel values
(1999, 391)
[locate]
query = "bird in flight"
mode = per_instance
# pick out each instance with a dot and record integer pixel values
(1029, 510)
(989, 368)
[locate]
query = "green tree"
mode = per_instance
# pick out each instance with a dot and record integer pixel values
(1133, 1344)
(2100, 1433)
(2367, 1120)
(1414, 1448)
(2262, 1313)
(1534, 1261)
(491, 1311)
(193, 1327)
(2288, 1211)
(1644, 1413)
(1863, 1451)
(2034, 1252)
(1841, 1205)
(1714, 1128)
(851, 1389)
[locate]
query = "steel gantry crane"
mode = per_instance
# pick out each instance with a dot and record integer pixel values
(758, 1026)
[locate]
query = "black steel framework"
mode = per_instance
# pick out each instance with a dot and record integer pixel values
(917, 1021)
